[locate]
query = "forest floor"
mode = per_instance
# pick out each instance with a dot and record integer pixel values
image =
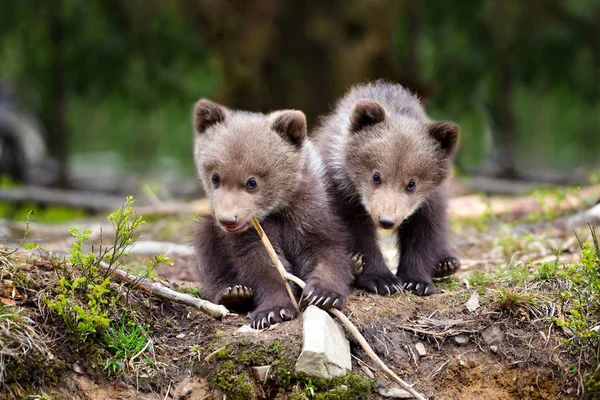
(519, 320)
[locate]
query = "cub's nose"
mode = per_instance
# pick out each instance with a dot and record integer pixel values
(387, 222)
(227, 220)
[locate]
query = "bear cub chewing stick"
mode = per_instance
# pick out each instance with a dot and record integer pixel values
(253, 164)
(387, 163)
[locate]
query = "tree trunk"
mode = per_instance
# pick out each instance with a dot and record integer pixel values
(505, 121)
(58, 135)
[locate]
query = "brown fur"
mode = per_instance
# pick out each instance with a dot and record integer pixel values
(290, 200)
(381, 129)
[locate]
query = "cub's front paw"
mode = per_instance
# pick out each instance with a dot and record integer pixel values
(419, 288)
(448, 266)
(263, 318)
(320, 296)
(234, 296)
(379, 284)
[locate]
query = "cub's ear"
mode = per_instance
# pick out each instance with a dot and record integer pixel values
(291, 125)
(446, 133)
(206, 114)
(366, 113)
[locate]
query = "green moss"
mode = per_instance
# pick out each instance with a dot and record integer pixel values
(282, 372)
(224, 354)
(349, 386)
(235, 381)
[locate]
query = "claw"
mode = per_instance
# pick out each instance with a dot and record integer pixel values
(326, 301)
(388, 289)
(308, 295)
(417, 287)
(334, 302)
(263, 322)
(313, 300)
(376, 291)
(282, 313)
(318, 301)
(426, 290)
(270, 317)
(409, 285)
(398, 288)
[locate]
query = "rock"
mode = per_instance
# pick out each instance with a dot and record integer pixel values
(494, 349)
(325, 349)
(394, 393)
(191, 388)
(77, 368)
(247, 329)
(473, 303)
(180, 336)
(421, 349)
(261, 373)
(493, 336)
(461, 339)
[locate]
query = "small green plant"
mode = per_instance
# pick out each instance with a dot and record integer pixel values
(83, 296)
(125, 341)
(192, 291)
(583, 318)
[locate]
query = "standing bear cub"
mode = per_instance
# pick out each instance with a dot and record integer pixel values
(387, 164)
(260, 165)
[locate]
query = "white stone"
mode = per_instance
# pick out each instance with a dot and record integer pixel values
(261, 373)
(325, 349)
(395, 393)
(461, 339)
(247, 329)
(421, 349)
(493, 336)
(473, 303)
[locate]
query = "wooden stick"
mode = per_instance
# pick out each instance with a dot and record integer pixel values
(335, 312)
(267, 243)
(214, 310)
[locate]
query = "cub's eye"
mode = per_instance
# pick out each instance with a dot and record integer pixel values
(216, 179)
(251, 184)
(412, 185)
(376, 178)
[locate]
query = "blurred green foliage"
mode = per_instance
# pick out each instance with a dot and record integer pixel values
(521, 78)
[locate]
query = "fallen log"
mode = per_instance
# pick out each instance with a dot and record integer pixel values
(157, 289)
(590, 216)
(94, 201)
(476, 206)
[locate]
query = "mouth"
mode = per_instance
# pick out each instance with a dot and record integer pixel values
(235, 228)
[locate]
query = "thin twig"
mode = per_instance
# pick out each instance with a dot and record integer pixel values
(337, 313)
(214, 353)
(267, 243)
(140, 352)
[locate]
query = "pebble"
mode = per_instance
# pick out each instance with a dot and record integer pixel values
(421, 349)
